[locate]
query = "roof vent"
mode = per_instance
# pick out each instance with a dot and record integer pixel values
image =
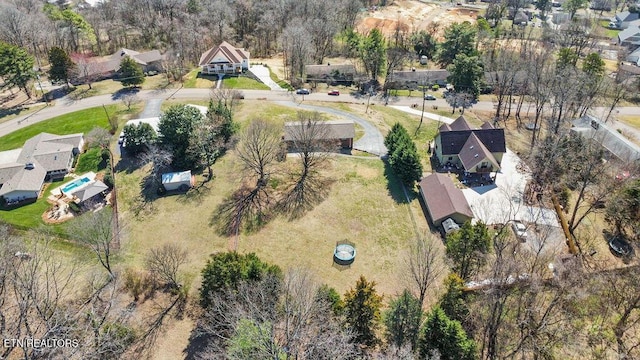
(475, 156)
(471, 147)
(123, 53)
(29, 166)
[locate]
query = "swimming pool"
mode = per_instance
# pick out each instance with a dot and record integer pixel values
(74, 184)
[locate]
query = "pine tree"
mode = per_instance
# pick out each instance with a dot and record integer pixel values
(397, 135)
(402, 320)
(406, 162)
(131, 73)
(445, 337)
(362, 311)
(61, 65)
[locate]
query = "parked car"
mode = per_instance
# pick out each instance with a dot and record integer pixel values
(334, 92)
(520, 230)
(429, 97)
(303, 92)
(619, 246)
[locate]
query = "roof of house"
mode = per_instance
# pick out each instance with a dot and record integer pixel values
(91, 190)
(176, 177)
(442, 198)
(44, 152)
(614, 142)
(25, 179)
(635, 70)
(474, 152)
(629, 32)
(319, 70)
(626, 16)
(231, 53)
(420, 75)
(454, 136)
(336, 129)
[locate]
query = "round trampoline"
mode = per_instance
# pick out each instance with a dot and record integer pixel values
(344, 254)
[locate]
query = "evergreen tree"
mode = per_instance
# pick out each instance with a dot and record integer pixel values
(16, 67)
(138, 137)
(177, 126)
(445, 337)
(61, 65)
(397, 135)
(467, 248)
(467, 74)
(330, 295)
(453, 301)
(373, 53)
(131, 73)
(362, 311)
(459, 38)
(225, 271)
(402, 320)
(405, 161)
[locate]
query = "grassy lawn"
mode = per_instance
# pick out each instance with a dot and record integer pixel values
(283, 84)
(91, 161)
(196, 80)
(8, 114)
(76, 122)
(110, 86)
(611, 33)
(242, 82)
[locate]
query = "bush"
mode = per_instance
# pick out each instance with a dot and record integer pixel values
(435, 87)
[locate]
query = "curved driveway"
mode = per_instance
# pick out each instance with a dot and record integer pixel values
(67, 105)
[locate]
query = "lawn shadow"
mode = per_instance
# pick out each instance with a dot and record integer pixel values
(394, 186)
(12, 111)
(127, 164)
(195, 195)
(247, 209)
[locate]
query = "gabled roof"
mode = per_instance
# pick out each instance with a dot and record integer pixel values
(51, 151)
(460, 124)
(25, 180)
(320, 70)
(420, 75)
(474, 152)
(614, 142)
(442, 198)
(91, 190)
(626, 16)
(453, 141)
(232, 54)
(336, 129)
(486, 125)
(627, 33)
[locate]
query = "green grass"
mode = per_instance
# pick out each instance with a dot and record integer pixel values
(30, 216)
(76, 122)
(91, 161)
(242, 82)
(283, 84)
(191, 78)
(611, 33)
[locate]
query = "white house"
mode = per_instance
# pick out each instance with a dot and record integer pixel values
(224, 59)
(178, 181)
(44, 156)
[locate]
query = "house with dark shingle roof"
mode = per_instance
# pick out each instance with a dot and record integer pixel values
(44, 156)
(224, 59)
(444, 200)
(477, 150)
(331, 74)
(108, 66)
(338, 134)
(413, 79)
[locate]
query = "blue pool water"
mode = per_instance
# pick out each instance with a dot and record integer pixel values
(75, 184)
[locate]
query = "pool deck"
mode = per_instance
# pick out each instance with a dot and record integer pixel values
(90, 175)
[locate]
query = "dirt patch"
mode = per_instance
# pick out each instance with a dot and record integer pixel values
(412, 16)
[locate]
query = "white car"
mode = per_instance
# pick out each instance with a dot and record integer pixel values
(520, 229)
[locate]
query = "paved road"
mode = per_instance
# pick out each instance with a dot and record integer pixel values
(67, 105)
(371, 142)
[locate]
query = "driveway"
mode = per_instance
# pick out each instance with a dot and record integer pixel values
(371, 142)
(262, 72)
(151, 109)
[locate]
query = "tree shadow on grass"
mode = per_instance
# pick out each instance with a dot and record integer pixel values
(304, 195)
(394, 185)
(195, 195)
(247, 209)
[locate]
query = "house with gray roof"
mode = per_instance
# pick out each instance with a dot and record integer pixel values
(443, 200)
(43, 157)
(334, 74)
(616, 145)
(629, 37)
(476, 150)
(108, 66)
(224, 59)
(335, 134)
(622, 19)
(413, 79)
(634, 57)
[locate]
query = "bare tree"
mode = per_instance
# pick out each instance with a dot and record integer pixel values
(130, 100)
(425, 265)
(309, 138)
(87, 70)
(296, 51)
(164, 263)
(259, 148)
(96, 231)
(98, 136)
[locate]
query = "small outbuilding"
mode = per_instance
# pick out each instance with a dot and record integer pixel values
(181, 181)
(443, 200)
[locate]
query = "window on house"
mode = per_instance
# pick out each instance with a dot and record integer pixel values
(450, 158)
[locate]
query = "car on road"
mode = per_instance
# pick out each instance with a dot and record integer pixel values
(303, 92)
(334, 92)
(619, 246)
(520, 230)
(429, 97)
